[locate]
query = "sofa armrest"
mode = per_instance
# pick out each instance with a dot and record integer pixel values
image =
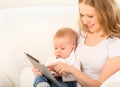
(113, 81)
(5, 81)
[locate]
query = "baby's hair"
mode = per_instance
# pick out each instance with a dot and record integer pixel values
(67, 32)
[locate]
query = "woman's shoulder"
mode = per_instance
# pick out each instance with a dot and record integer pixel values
(114, 47)
(114, 41)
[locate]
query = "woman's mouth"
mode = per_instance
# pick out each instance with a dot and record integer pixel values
(90, 26)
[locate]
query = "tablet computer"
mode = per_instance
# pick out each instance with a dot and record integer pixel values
(43, 68)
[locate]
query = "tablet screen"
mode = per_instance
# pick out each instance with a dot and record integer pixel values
(43, 68)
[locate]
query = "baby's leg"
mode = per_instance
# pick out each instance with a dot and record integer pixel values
(41, 81)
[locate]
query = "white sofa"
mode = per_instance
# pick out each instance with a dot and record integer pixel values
(30, 29)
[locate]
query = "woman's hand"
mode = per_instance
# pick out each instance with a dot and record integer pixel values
(53, 72)
(36, 71)
(61, 68)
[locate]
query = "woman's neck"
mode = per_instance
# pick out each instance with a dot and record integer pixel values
(93, 39)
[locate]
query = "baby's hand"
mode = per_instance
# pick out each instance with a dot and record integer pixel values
(50, 67)
(36, 71)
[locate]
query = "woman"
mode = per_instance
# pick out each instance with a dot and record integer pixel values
(99, 45)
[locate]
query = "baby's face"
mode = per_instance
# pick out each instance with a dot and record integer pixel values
(62, 47)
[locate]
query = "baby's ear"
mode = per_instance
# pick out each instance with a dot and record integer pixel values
(74, 47)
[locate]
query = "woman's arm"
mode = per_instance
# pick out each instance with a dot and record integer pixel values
(111, 66)
(85, 81)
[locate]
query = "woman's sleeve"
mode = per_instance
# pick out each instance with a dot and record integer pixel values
(114, 48)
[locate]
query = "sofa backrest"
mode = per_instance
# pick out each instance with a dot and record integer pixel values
(31, 29)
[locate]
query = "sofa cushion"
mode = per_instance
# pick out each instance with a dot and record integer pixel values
(113, 81)
(5, 81)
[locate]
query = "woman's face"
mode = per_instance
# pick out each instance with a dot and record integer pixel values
(90, 18)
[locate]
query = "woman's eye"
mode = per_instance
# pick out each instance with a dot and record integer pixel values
(81, 15)
(90, 16)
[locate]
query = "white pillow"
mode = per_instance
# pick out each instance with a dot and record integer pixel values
(26, 77)
(113, 81)
(4, 81)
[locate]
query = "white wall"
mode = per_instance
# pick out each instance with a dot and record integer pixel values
(28, 3)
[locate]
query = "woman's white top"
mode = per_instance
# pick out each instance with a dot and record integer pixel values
(92, 58)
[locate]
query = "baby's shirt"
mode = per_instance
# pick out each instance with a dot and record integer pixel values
(71, 60)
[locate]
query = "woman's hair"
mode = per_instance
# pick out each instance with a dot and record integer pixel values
(67, 32)
(108, 13)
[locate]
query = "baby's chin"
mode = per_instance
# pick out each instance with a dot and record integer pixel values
(59, 56)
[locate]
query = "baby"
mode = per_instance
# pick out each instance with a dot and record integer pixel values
(65, 42)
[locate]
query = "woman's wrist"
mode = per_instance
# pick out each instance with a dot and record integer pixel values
(72, 70)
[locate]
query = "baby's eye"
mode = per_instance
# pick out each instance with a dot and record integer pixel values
(55, 48)
(62, 48)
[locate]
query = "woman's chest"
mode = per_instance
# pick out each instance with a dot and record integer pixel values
(92, 58)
